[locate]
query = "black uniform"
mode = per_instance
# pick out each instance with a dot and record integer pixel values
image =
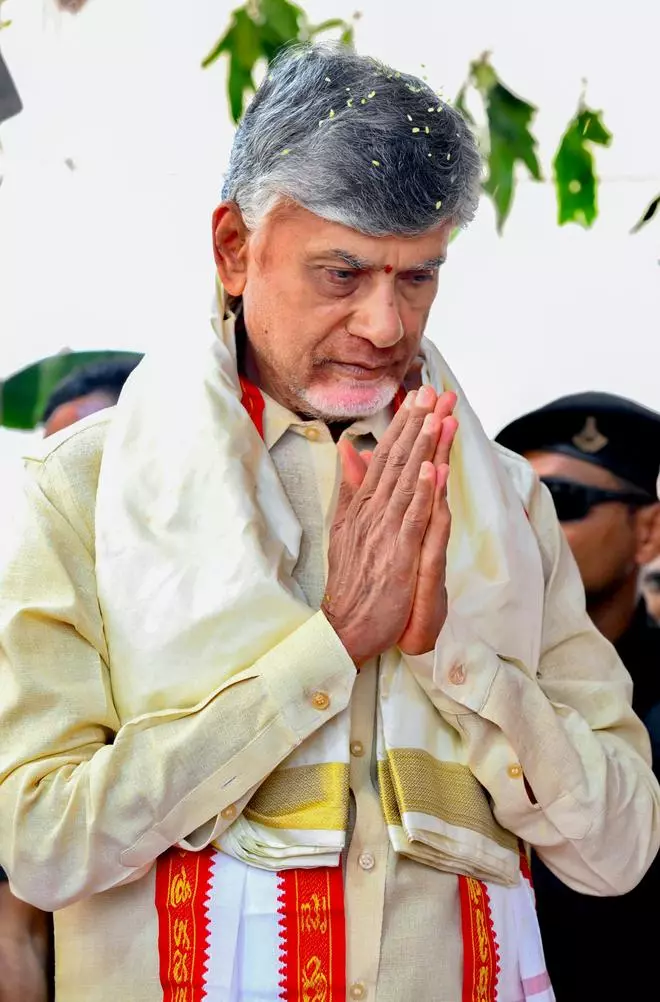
(605, 949)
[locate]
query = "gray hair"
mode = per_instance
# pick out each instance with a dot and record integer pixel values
(354, 142)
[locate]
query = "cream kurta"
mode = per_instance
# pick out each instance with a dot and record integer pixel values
(79, 792)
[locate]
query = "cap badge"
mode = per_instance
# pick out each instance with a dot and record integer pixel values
(590, 439)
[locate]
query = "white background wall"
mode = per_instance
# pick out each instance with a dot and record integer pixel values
(116, 253)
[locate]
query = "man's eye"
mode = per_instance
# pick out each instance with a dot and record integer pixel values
(418, 277)
(341, 275)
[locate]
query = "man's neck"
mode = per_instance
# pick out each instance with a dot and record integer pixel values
(613, 613)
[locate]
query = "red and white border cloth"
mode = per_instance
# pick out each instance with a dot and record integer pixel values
(229, 932)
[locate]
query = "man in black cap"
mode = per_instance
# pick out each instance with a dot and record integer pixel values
(599, 455)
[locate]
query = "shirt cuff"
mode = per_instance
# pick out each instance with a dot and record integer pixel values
(461, 667)
(309, 676)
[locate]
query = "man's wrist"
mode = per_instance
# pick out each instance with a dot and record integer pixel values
(346, 637)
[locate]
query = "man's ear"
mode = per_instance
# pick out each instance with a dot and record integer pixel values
(648, 534)
(230, 243)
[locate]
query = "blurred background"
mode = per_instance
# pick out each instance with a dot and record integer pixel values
(111, 170)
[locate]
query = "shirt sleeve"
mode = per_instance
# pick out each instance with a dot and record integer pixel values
(86, 803)
(560, 751)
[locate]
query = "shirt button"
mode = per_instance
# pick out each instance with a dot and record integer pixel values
(366, 861)
(229, 813)
(312, 434)
(457, 675)
(515, 771)
(357, 991)
(357, 748)
(321, 701)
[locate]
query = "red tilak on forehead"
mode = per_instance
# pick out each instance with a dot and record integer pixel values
(388, 269)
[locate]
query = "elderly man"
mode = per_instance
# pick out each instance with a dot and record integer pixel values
(269, 736)
(599, 455)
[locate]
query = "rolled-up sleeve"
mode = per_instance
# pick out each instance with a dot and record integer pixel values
(86, 802)
(560, 751)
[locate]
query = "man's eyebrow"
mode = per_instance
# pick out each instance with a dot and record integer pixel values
(361, 264)
(352, 260)
(432, 264)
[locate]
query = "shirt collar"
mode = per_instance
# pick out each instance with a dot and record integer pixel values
(278, 420)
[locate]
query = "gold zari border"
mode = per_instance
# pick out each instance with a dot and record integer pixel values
(411, 780)
(315, 797)
(307, 797)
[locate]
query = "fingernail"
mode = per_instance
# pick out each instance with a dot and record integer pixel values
(428, 422)
(410, 399)
(425, 396)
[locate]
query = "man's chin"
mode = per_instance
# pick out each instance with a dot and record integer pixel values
(348, 400)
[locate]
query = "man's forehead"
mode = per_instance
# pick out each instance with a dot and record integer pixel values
(316, 238)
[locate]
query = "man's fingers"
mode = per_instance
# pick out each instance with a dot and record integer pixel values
(416, 517)
(416, 442)
(413, 437)
(391, 435)
(393, 450)
(353, 470)
(434, 548)
(446, 403)
(445, 441)
(396, 492)
(442, 476)
(352, 464)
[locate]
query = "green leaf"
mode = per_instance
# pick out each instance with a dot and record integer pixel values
(573, 165)
(347, 36)
(245, 45)
(23, 396)
(258, 31)
(648, 215)
(239, 83)
(283, 18)
(223, 45)
(242, 41)
(246, 42)
(510, 139)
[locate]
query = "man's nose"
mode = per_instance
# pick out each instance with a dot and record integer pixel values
(378, 318)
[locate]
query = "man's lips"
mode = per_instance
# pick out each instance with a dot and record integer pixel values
(370, 364)
(362, 370)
